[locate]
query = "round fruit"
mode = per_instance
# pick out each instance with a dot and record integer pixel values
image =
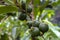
(29, 9)
(35, 32)
(23, 5)
(43, 27)
(22, 16)
(29, 24)
(36, 24)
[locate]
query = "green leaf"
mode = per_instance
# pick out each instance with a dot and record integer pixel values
(9, 2)
(56, 3)
(28, 1)
(48, 13)
(7, 9)
(36, 12)
(1, 16)
(36, 4)
(26, 36)
(14, 32)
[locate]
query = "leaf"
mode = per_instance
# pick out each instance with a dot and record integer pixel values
(44, 5)
(36, 3)
(1, 16)
(14, 32)
(9, 2)
(40, 38)
(36, 12)
(56, 3)
(7, 9)
(26, 36)
(37, 16)
(48, 13)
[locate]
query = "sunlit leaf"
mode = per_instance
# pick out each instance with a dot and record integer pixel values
(48, 13)
(36, 3)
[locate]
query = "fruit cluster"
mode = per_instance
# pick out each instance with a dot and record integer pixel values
(37, 27)
(25, 11)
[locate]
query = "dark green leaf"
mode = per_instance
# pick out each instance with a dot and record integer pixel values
(7, 9)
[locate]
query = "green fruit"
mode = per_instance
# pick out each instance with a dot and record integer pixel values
(36, 24)
(22, 16)
(43, 27)
(35, 32)
(29, 9)
(23, 5)
(29, 24)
